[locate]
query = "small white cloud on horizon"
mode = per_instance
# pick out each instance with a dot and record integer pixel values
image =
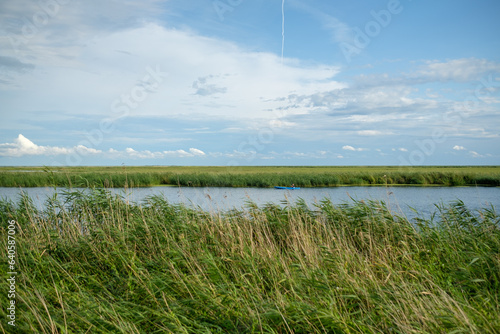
(142, 154)
(459, 148)
(176, 153)
(476, 155)
(197, 152)
(130, 150)
(351, 148)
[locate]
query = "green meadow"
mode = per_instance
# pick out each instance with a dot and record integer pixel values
(90, 262)
(248, 176)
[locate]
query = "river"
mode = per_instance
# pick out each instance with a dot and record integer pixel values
(399, 199)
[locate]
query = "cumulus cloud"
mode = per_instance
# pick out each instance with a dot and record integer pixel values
(197, 152)
(177, 153)
(459, 148)
(205, 75)
(22, 146)
(83, 150)
(351, 148)
(142, 154)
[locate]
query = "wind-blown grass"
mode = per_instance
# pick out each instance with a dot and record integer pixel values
(249, 176)
(92, 263)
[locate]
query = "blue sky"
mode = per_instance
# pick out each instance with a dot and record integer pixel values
(199, 82)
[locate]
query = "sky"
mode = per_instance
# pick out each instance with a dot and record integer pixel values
(249, 82)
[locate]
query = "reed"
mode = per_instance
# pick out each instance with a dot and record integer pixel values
(249, 176)
(90, 262)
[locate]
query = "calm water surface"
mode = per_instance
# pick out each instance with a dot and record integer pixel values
(399, 199)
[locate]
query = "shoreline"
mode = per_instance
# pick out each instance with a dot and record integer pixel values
(250, 176)
(337, 265)
(267, 187)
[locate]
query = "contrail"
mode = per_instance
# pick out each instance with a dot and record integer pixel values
(282, 30)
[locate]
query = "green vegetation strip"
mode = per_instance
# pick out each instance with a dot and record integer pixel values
(248, 176)
(93, 263)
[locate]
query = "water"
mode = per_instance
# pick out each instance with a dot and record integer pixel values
(399, 199)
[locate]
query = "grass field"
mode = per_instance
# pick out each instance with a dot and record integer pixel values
(248, 176)
(92, 263)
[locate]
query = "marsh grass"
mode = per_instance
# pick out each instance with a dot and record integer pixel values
(92, 263)
(249, 176)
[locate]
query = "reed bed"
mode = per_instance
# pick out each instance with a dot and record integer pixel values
(249, 176)
(90, 262)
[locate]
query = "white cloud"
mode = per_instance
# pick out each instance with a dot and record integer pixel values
(454, 70)
(458, 70)
(142, 154)
(474, 154)
(177, 153)
(22, 146)
(82, 150)
(459, 148)
(201, 75)
(196, 152)
(348, 148)
(396, 104)
(351, 148)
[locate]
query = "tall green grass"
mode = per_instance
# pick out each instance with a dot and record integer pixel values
(92, 263)
(250, 176)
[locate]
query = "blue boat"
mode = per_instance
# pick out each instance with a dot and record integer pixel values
(288, 188)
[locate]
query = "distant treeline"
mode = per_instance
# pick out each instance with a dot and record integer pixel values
(253, 177)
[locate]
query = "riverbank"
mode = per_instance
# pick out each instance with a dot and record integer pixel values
(91, 262)
(267, 176)
(401, 199)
